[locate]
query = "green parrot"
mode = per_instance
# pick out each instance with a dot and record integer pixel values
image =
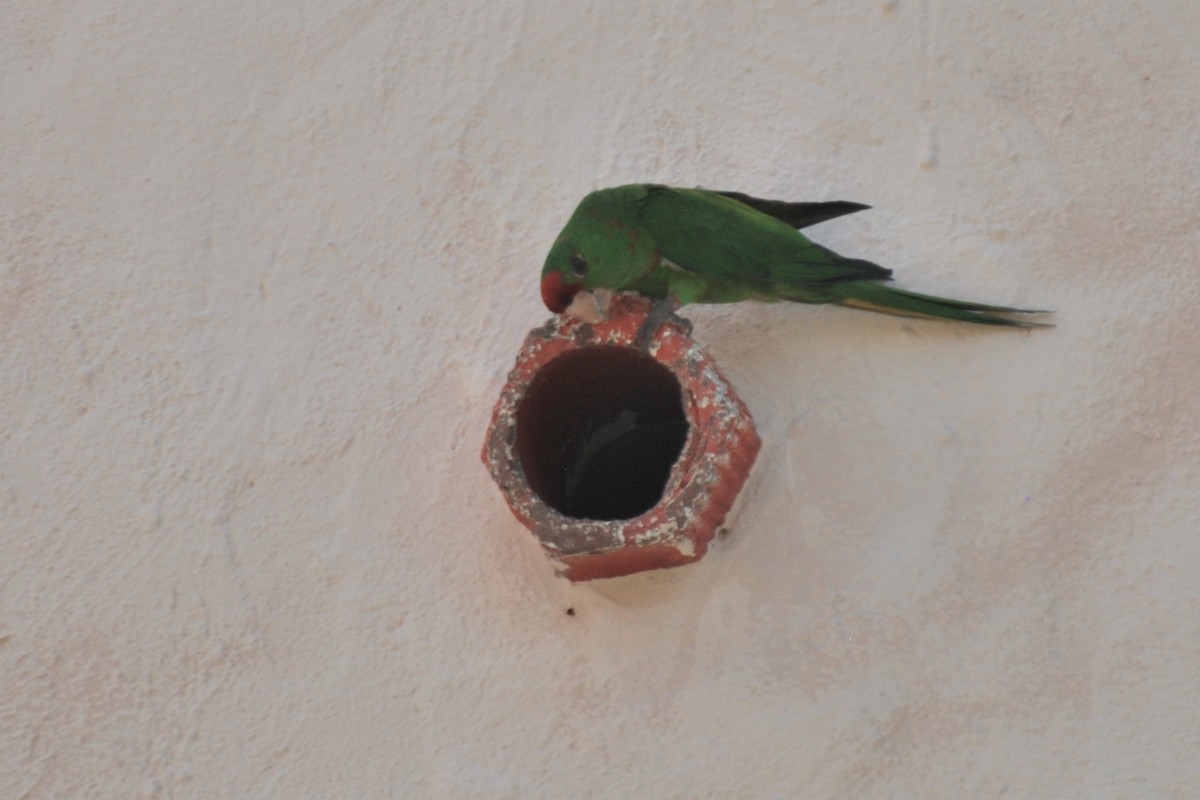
(681, 246)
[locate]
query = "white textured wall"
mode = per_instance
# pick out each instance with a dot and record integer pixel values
(263, 268)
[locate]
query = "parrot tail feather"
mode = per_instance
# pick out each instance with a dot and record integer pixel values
(888, 300)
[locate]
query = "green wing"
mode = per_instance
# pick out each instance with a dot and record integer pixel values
(719, 237)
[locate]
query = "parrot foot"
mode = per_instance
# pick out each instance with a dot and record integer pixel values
(663, 311)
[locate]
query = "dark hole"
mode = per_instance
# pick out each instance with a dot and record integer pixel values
(598, 431)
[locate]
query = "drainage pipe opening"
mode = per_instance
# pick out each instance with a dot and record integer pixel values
(598, 432)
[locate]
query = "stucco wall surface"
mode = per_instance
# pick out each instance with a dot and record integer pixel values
(264, 267)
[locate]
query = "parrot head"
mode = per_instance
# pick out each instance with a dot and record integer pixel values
(566, 273)
(601, 247)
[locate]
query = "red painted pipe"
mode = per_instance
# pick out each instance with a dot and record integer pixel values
(618, 462)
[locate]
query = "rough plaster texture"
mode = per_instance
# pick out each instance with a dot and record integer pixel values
(264, 267)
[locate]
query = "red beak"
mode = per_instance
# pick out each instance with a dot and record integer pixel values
(556, 294)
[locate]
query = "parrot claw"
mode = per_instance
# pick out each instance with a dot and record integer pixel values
(663, 311)
(682, 322)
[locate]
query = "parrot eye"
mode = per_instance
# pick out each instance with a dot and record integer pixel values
(579, 265)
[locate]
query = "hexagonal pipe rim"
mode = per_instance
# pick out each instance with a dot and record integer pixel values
(717, 454)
